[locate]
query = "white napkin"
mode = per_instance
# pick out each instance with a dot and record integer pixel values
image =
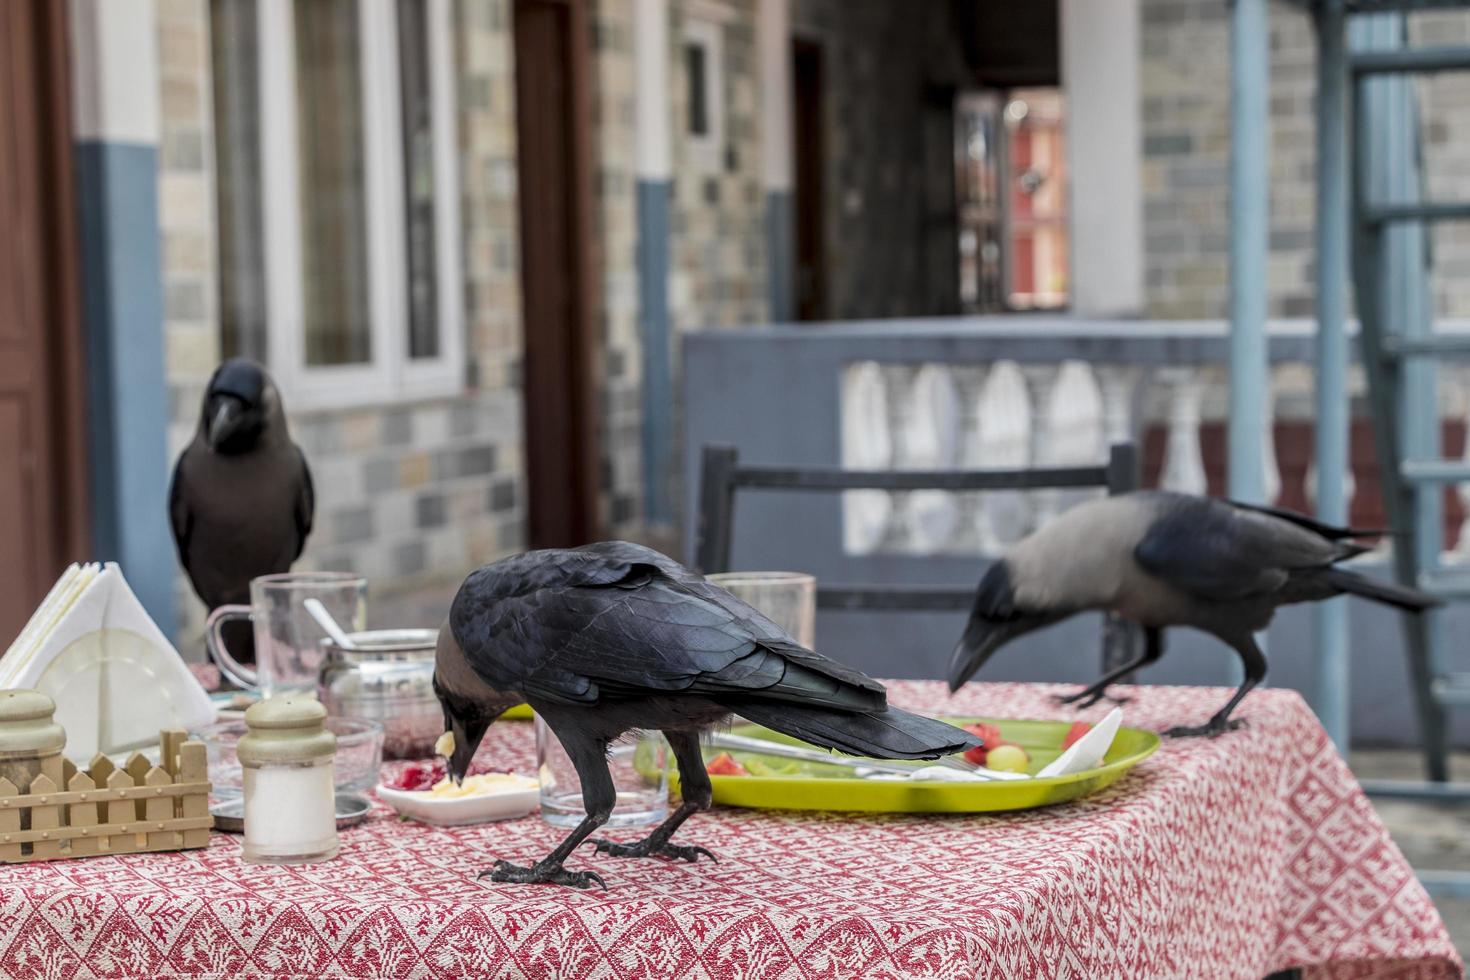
(1087, 751)
(115, 678)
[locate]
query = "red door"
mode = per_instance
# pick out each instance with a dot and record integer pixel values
(42, 496)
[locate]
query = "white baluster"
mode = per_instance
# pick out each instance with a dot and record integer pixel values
(1184, 464)
(1002, 441)
(1119, 386)
(1077, 427)
(1041, 381)
(1270, 468)
(931, 442)
(867, 444)
(899, 382)
(969, 381)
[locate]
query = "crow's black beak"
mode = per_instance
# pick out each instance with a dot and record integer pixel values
(458, 744)
(226, 419)
(982, 638)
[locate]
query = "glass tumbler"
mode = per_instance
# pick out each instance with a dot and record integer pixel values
(788, 599)
(640, 769)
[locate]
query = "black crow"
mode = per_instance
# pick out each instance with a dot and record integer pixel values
(1167, 559)
(241, 502)
(613, 637)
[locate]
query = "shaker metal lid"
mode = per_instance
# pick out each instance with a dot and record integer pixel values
(26, 722)
(285, 729)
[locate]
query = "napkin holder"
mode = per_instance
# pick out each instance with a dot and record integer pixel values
(107, 810)
(115, 678)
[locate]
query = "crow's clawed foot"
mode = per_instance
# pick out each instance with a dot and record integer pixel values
(1210, 728)
(647, 848)
(542, 873)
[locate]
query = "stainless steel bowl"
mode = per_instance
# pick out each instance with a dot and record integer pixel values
(390, 679)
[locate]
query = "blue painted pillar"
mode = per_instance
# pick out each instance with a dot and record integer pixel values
(651, 120)
(773, 43)
(1331, 700)
(1249, 238)
(1250, 42)
(115, 76)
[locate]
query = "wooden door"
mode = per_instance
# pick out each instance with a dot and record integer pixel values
(42, 494)
(810, 164)
(559, 372)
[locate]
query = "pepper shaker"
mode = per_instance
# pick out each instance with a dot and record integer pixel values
(289, 789)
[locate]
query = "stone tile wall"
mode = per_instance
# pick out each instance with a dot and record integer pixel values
(615, 188)
(1185, 82)
(718, 239)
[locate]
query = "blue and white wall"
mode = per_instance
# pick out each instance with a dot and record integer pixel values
(653, 174)
(773, 43)
(116, 119)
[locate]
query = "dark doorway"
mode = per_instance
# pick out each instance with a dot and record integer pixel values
(43, 503)
(810, 152)
(559, 375)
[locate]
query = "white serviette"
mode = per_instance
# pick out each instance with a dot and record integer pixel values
(116, 679)
(1087, 751)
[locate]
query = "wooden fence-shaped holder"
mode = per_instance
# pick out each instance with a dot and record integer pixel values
(107, 810)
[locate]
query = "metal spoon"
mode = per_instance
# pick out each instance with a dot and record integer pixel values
(325, 621)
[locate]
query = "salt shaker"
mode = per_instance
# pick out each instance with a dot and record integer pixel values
(30, 739)
(290, 796)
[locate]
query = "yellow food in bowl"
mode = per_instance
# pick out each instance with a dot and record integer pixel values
(482, 785)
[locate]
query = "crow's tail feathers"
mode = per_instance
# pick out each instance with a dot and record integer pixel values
(887, 734)
(1411, 600)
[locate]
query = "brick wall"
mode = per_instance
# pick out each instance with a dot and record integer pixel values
(617, 243)
(1185, 82)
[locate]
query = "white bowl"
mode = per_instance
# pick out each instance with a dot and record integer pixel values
(458, 811)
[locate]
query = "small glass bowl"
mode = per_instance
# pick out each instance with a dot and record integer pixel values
(355, 768)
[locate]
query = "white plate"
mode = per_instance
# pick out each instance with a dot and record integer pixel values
(456, 812)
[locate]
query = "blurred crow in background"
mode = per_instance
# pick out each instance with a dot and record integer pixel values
(241, 502)
(613, 637)
(1168, 559)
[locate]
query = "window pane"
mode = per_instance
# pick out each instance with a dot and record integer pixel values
(333, 203)
(418, 177)
(695, 58)
(233, 43)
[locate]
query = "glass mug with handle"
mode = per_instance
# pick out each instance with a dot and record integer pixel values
(288, 641)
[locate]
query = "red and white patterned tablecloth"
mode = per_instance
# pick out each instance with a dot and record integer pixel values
(1231, 857)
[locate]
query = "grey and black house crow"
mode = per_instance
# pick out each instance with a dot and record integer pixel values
(241, 501)
(614, 637)
(1165, 559)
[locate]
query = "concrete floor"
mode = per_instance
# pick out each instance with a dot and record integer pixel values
(1433, 836)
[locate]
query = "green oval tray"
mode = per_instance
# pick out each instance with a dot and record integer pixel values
(816, 786)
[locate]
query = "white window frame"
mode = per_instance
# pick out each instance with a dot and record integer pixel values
(705, 29)
(391, 375)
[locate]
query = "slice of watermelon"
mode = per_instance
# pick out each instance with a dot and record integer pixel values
(724, 764)
(988, 734)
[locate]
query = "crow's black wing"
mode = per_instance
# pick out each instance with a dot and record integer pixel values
(1331, 532)
(1216, 551)
(615, 625)
(305, 508)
